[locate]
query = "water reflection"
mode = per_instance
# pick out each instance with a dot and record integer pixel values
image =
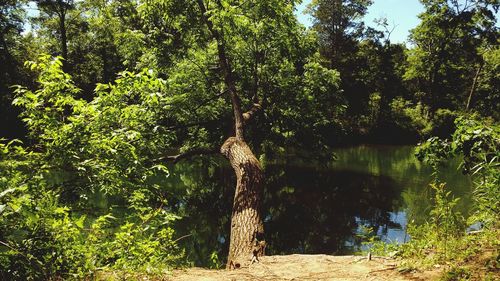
(310, 208)
(412, 176)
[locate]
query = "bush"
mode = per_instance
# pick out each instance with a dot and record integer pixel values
(438, 239)
(42, 239)
(444, 123)
(415, 119)
(443, 239)
(44, 234)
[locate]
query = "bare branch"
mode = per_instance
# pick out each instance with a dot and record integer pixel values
(192, 124)
(474, 85)
(190, 153)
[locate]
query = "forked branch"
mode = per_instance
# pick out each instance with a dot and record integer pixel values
(247, 116)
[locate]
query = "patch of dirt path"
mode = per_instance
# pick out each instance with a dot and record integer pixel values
(304, 267)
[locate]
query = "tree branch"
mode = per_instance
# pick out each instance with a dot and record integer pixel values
(256, 107)
(205, 102)
(247, 116)
(227, 70)
(190, 125)
(190, 153)
(474, 85)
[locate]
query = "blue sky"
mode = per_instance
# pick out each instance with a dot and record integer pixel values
(401, 13)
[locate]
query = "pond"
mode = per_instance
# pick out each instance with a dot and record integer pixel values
(313, 208)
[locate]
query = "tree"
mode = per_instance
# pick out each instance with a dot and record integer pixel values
(99, 48)
(446, 60)
(96, 39)
(249, 55)
(380, 64)
(339, 27)
(370, 66)
(231, 25)
(60, 10)
(341, 32)
(484, 91)
(12, 52)
(11, 22)
(247, 226)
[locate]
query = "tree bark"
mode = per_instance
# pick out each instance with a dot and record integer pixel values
(247, 228)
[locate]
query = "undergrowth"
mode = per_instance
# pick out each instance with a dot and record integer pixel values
(446, 240)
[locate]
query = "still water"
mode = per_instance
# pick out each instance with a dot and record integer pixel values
(312, 208)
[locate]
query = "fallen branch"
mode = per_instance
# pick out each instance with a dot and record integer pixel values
(384, 269)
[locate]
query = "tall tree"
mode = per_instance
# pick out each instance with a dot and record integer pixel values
(11, 25)
(446, 60)
(340, 28)
(59, 9)
(96, 39)
(339, 25)
(245, 40)
(11, 21)
(12, 53)
(247, 225)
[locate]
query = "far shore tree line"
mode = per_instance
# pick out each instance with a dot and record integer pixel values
(412, 91)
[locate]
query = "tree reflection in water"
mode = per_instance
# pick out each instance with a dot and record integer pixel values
(310, 207)
(306, 209)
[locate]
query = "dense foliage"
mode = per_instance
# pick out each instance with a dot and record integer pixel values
(112, 90)
(46, 231)
(449, 236)
(463, 243)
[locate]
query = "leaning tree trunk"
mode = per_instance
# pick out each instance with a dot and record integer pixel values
(247, 230)
(246, 242)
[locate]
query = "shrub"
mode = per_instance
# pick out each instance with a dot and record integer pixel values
(412, 118)
(44, 234)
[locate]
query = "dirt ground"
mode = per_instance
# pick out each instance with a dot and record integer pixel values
(307, 267)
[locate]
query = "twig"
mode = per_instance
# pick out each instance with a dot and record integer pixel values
(22, 254)
(384, 269)
(182, 237)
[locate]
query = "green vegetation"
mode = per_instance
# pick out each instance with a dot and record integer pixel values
(445, 239)
(50, 227)
(469, 253)
(91, 131)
